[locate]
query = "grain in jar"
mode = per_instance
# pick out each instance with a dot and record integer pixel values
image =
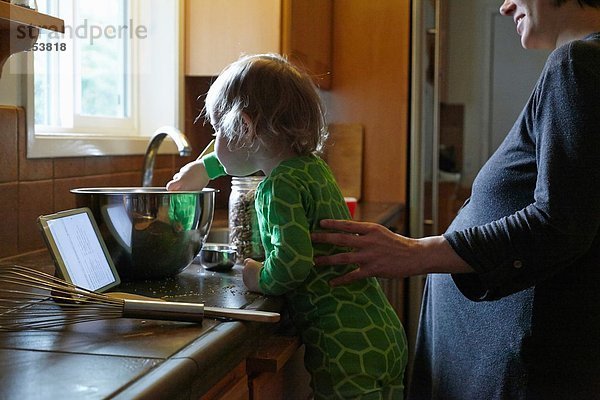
(243, 222)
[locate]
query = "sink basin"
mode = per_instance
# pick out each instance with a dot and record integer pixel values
(150, 233)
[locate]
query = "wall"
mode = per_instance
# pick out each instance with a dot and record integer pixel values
(470, 51)
(370, 82)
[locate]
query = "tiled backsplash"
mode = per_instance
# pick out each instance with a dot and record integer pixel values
(32, 187)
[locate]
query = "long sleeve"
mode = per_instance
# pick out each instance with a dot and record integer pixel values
(554, 144)
(289, 257)
(213, 166)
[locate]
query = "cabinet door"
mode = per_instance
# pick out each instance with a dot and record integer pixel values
(233, 386)
(306, 36)
(218, 32)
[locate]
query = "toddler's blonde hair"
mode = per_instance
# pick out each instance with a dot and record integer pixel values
(281, 101)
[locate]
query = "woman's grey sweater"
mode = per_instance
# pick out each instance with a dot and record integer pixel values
(526, 325)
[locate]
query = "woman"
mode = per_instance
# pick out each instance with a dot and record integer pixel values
(512, 304)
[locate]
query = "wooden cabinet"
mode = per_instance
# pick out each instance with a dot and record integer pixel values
(307, 36)
(371, 64)
(274, 371)
(218, 32)
(233, 386)
(19, 29)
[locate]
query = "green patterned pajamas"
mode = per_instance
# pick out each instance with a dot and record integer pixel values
(355, 344)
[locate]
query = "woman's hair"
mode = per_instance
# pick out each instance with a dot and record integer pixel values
(590, 3)
(281, 101)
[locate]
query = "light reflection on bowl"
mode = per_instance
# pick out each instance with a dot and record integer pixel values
(150, 233)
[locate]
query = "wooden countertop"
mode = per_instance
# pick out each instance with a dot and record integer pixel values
(142, 359)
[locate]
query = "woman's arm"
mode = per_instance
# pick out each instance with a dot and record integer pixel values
(382, 253)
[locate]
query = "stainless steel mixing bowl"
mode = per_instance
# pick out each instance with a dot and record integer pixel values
(218, 257)
(151, 233)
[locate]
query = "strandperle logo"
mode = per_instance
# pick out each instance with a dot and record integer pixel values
(92, 32)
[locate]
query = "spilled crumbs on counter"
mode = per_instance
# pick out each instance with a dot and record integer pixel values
(194, 298)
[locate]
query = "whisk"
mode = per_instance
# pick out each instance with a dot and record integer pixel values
(30, 299)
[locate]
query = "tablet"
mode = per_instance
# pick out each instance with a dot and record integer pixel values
(78, 250)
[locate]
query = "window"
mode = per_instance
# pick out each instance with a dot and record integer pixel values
(109, 81)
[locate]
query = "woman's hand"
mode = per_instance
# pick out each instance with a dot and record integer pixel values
(377, 250)
(382, 253)
(191, 176)
(251, 274)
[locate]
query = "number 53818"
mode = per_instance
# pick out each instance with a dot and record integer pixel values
(49, 47)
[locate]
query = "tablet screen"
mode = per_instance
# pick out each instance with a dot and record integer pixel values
(78, 249)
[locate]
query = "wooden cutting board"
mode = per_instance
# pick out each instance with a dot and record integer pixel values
(344, 154)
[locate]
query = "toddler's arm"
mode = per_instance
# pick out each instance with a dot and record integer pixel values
(251, 274)
(196, 174)
(192, 176)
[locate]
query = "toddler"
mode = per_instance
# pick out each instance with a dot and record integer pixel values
(268, 117)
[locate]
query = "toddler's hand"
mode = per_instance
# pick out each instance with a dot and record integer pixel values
(251, 274)
(191, 176)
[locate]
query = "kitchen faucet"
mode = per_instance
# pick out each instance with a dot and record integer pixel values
(178, 137)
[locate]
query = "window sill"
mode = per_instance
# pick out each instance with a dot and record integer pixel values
(44, 146)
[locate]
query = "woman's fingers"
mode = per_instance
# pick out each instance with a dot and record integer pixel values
(349, 233)
(362, 237)
(338, 239)
(347, 226)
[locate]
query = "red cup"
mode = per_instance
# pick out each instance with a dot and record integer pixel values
(351, 203)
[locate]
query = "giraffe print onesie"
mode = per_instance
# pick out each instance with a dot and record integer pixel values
(355, 344)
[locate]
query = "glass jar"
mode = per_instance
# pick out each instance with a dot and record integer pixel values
(243, 222)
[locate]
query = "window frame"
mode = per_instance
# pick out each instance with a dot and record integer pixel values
(159, 101)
